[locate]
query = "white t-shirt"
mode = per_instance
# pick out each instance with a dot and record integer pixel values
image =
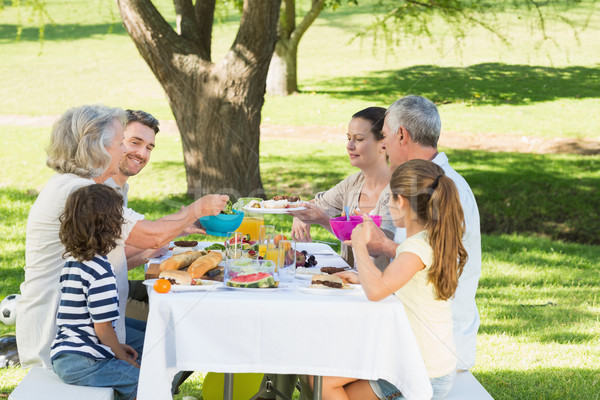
(464, 309)
(40, 292)
(122, 190)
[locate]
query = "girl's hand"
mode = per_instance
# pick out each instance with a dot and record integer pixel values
(349, 277)
(301, 231)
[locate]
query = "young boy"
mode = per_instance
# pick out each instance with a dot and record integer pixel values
(86, 350)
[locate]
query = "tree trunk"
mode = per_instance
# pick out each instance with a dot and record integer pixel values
(217, 106)
(282, 79)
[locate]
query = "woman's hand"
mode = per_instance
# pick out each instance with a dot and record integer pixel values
(349, 276)
(301, 231)
(312, 215)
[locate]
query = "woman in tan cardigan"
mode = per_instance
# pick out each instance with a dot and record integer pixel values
(366, 191)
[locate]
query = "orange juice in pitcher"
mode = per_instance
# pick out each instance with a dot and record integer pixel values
(251, 221)
(250, 226)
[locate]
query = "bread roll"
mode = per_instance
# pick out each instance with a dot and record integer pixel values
(204, 264)
(180, 261)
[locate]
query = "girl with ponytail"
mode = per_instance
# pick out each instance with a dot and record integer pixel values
(424, 275)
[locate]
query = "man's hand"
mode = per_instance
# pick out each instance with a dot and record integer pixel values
(371, 236)
(196, 227)
(301, 231)
(211, 204)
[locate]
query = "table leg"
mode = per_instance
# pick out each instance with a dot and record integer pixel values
(228, 386)
(317, 387)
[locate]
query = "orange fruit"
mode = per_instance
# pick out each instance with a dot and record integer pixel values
(162, 286)
(277, 238)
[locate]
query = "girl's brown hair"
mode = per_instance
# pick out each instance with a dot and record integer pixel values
(91, 221)
(434, 201)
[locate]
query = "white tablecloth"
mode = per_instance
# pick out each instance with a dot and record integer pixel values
(286, 331)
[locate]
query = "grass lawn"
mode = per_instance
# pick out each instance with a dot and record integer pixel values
(538, 296)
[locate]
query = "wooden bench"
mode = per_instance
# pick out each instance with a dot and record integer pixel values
(467, 387)
(42, 383)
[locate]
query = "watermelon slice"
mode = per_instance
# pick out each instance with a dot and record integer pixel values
(258, 280)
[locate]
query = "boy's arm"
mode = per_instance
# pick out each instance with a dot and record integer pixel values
(108, 337)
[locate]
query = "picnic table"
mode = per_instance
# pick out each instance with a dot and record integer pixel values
(290, 330)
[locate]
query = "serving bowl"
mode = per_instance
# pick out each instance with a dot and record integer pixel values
(342, 228)
(222, 224)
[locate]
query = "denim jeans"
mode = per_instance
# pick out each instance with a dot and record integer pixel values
(77, 369)
(135, 330)
(441, 387)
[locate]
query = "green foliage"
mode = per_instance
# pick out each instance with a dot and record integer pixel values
(397, 19)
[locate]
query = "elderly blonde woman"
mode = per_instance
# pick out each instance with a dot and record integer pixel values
(85, 148)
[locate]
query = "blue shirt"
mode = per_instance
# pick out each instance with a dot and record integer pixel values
(88, 295)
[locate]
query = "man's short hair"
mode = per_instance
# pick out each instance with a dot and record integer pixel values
(143, 118)
(419, 116)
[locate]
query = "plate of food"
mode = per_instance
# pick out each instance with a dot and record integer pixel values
(329, 285)
(277, 205)
(181, 281)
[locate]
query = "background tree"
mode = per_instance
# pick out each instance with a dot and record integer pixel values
(282, 79)
(217, 105)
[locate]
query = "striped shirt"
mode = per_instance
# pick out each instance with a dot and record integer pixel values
(88, 295)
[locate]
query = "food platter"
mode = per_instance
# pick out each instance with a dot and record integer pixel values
(350, 290)
(272, 210)
(207, 285)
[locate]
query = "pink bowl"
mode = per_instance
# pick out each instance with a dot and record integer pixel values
(343, 229)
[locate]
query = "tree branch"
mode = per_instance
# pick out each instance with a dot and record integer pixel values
(258, 29)
(287, 19)
(309, 18)
(186, 24)
(205, 14)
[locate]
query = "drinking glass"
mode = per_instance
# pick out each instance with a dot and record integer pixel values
(234, 245)
(266, 236)
(286, 260)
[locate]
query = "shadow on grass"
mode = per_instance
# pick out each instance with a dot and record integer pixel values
(543, 383)
(481, 84)
(57, 32)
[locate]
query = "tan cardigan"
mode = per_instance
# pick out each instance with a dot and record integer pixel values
(347, 193)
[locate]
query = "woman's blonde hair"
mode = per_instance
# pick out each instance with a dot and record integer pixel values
(79, 139)
(434, 201)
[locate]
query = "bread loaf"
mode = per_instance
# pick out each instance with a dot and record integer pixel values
(204, 264)
(180, 261)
